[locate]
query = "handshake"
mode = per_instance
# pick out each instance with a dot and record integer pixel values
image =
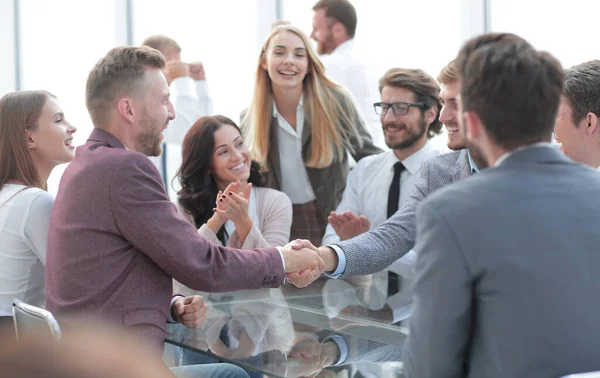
(304, 262)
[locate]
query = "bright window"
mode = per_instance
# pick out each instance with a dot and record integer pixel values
(418, 34)
(560, 28)
(59, 50)
(223, 35)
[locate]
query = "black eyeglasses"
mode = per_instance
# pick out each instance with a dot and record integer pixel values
(399, 108)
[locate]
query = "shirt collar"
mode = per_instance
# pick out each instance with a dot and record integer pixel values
(598, 169)
(474, 168)
(346, 46)
(300, 106)
(413, 162)
(502, 158)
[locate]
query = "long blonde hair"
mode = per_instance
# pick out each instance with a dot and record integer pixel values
(327, 105)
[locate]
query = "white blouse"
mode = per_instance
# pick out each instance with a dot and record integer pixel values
(24, 222)
(294, 178)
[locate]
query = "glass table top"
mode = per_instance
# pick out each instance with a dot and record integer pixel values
(329, 327)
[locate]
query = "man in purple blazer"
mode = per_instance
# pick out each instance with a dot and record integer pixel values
(115, 241)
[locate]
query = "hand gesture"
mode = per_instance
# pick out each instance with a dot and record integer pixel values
(219, 216)
(233, 205)
(197, 71)
(189, 311)
(220, 205)
(303, 263)
(348, 225)
(175, 69)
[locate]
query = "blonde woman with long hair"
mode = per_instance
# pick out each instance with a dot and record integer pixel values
(300, 127)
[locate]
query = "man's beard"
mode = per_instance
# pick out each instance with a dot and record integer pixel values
(327, 46)
(413, 137)
(149, 138)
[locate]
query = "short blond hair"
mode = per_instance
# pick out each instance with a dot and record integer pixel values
(120, 73)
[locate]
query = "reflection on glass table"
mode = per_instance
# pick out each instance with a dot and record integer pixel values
(290, 332)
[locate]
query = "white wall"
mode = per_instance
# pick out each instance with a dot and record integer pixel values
(568, 30)
(7, 46)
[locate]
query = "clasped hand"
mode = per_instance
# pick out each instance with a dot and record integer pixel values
(303, 263)
(308, 357)
(190, 311)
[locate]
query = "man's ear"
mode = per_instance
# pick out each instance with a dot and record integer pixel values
(339, 30)
(126, 109)
(30, 139)
(473, 125)
(590, 122)
(430, 114)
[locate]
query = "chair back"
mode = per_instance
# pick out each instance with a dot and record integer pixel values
(30, 319)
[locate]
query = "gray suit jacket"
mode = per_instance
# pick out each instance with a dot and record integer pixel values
(377, 249)
(364, 350)
(508, 272)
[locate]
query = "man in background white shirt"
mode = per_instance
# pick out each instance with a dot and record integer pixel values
(334, 26)
(379, 184)
(189, 93)
(577, 126)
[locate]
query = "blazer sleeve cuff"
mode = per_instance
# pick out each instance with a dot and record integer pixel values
(341, 268)
(173, 299)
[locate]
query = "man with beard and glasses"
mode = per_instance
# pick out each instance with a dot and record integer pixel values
(380, 184)
(116, 242)
(378, 248)
(334, 26)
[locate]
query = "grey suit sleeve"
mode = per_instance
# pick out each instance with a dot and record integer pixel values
(363, 350)
(440, 325)
(377, 249)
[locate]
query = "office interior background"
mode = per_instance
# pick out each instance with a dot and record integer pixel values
(53, 44)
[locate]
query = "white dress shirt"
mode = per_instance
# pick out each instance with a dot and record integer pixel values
(24, 222)
(369, 182)
(345, 68)
(294, 179)
(366, 194)
(191, 102)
